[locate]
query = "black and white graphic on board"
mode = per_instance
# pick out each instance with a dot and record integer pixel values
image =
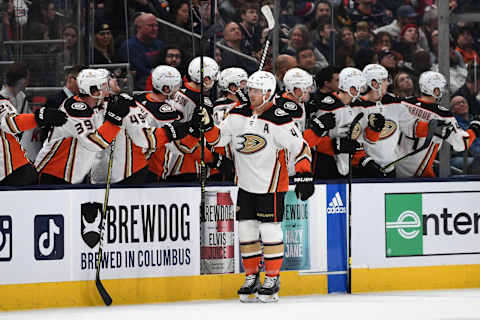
(5, 238)
(91, 215)
(48, 237)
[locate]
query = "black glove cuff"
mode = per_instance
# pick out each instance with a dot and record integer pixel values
(113, 118)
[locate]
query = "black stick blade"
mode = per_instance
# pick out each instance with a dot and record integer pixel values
(103, 292)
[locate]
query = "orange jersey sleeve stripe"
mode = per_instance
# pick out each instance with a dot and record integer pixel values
(303, 166)
(421, 130)
(372, 135)
(470, 139)
(25, 121)
(161, 136)
(357, 156)
(311, 138)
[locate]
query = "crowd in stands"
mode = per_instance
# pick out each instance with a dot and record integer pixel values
(401, 35)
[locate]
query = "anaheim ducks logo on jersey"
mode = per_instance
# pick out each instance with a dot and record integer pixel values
(166, 108)
(389, 129)
(251, 143)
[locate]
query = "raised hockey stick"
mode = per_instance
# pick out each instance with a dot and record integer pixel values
(267, 13)
(107, 299)
(355, 121)
(432, 127)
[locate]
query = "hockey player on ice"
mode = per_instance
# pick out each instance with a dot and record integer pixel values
(259, 134)
(426, 107)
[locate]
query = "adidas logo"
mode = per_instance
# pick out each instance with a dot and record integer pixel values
(336, 205)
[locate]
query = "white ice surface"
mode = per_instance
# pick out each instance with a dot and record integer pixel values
(412, 305)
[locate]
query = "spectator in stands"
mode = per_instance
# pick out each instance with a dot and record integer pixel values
(389, 60)
(362, 35)
(103, 44)
(232, 38)
(70, 53)
(172, 57)
(470, 90)
(251, 32)
(322, 38)
(365, 10)
(343, 58)
(347, 41)
(142, 49)
(70, 88)
(408, 43)
(405, 15)
(306, 60)
(458, 71)
(382, 41)
(403, 86)
(341, 15)
(283, 63)
(180, 16)
(460, 109)
(322, 13)
(465, 46)
(299, 37)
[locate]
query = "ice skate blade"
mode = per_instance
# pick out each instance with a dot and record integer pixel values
(268, 298)
(249, 298)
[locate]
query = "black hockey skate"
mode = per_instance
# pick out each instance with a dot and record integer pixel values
(269, 291)
(249, 288)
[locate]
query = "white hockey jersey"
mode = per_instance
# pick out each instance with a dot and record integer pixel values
(397, 120)
(70, 150)
(421, 163)
(187, 99)
(258, 144)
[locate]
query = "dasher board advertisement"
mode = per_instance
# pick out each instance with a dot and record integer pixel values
(52, 235)
(415, 224)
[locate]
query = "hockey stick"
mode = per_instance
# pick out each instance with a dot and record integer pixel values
(355, 121)
(432, 127)
(107, 299)
(267, 13)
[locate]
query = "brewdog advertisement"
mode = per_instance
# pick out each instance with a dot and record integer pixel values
(295, 228)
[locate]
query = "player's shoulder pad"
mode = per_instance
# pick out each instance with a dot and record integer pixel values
(161, 110)
(362, 103)
(141, 96)
(436, 108)
(328, 102)
(411, 100)
(289, 106)
(241, 109)
(277, 115)
(77, 109)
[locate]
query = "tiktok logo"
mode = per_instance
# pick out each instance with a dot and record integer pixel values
(49, 237)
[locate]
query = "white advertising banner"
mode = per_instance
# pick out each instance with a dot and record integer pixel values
(52, 235)
(415, 224)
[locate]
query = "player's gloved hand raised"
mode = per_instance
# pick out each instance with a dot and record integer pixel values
(372, 169)
(118, 108)
(178, 130)
(345, 145)
(376, 121)
(441, 129)
(320, 125)
(475, 126)
(303, 185)
(201, 116)
(242, 97)
(50, 117)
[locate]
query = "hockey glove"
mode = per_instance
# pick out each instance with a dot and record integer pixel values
(201, 116)
(376, 121)
(345, 145)
(222, 163)
(50, 117)
(321, 125)
(372, 169)
(178, 130)
(442, 129)
(303, 185)
(118, 107)
(475, 126)
(242, 97)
